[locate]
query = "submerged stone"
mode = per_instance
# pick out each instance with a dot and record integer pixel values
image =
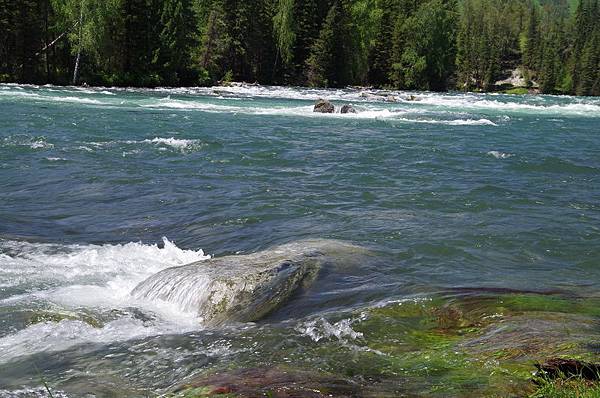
(242, 288)
(270, 382)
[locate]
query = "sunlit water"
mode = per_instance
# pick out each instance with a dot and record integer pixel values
(451, 191)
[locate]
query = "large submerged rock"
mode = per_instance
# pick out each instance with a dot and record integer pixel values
(243, 288)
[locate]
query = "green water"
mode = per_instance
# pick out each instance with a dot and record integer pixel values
(481, 213)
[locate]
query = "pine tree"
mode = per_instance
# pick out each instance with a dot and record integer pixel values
(380, 55)
(308, 21)
(532, 39)
(177, 39)
(139, 41)
(8, 39)
(428, 56)
(214, 42)
(320, 61)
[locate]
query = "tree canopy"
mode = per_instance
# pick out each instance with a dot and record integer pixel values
(404, 44)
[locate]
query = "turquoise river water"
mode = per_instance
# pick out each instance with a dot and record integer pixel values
(463, 199)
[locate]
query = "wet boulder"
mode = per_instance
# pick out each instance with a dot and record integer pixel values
(243, 288)
(323, 106)
(347, 108)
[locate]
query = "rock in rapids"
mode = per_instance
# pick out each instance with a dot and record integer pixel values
(243, 288)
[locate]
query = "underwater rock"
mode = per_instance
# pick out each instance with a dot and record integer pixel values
(347, 108)
(323, 106)
(391, 98)
(242, 288)
(272, 382)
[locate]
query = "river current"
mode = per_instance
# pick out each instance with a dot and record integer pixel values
(100, 188)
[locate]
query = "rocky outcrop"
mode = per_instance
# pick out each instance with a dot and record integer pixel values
(242, 288)
(323, 106)
(347, 108)
(379, 96)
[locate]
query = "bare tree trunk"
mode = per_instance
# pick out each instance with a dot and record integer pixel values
(76, 70)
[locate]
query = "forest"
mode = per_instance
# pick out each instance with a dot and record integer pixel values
(402, 44)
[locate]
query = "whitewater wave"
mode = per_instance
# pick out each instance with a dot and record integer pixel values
(52, 98)
(368, 113)
(452, 122)
(55, 159)
(58, 336)
(321, 329)
(479, 102)
(26, 141)
(176, 143)
(179, 144)
(116, 267)
(537, 104)
(500, 155)
(204, 98)
(99, 278)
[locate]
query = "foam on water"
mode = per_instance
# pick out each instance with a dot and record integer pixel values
(55, 159)
(99, 278)
(364, 113)
(176, 143)
(377, 103)
(22, 261)
(537, 105)
(582, 107)
(26, 141)
(58, 336)
(52, 98)
(500, 155)
(321, 329)
(86, 275)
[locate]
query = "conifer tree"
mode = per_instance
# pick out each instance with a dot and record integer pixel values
(177, 39)
(320, 61)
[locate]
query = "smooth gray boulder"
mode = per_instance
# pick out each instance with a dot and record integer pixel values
(243, 288)
(323, 106)
(347, 108)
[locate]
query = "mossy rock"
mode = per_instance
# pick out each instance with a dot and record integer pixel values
(42, 316)
(517, 91)
(267, 382)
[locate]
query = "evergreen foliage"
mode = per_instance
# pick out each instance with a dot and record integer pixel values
(404, 44)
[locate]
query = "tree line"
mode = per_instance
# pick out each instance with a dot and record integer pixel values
(403, 44)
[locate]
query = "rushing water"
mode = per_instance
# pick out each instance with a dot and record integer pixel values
(102, 188)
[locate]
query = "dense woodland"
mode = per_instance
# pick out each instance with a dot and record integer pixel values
(405, 44)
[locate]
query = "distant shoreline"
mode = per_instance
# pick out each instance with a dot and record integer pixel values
(513, 90)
